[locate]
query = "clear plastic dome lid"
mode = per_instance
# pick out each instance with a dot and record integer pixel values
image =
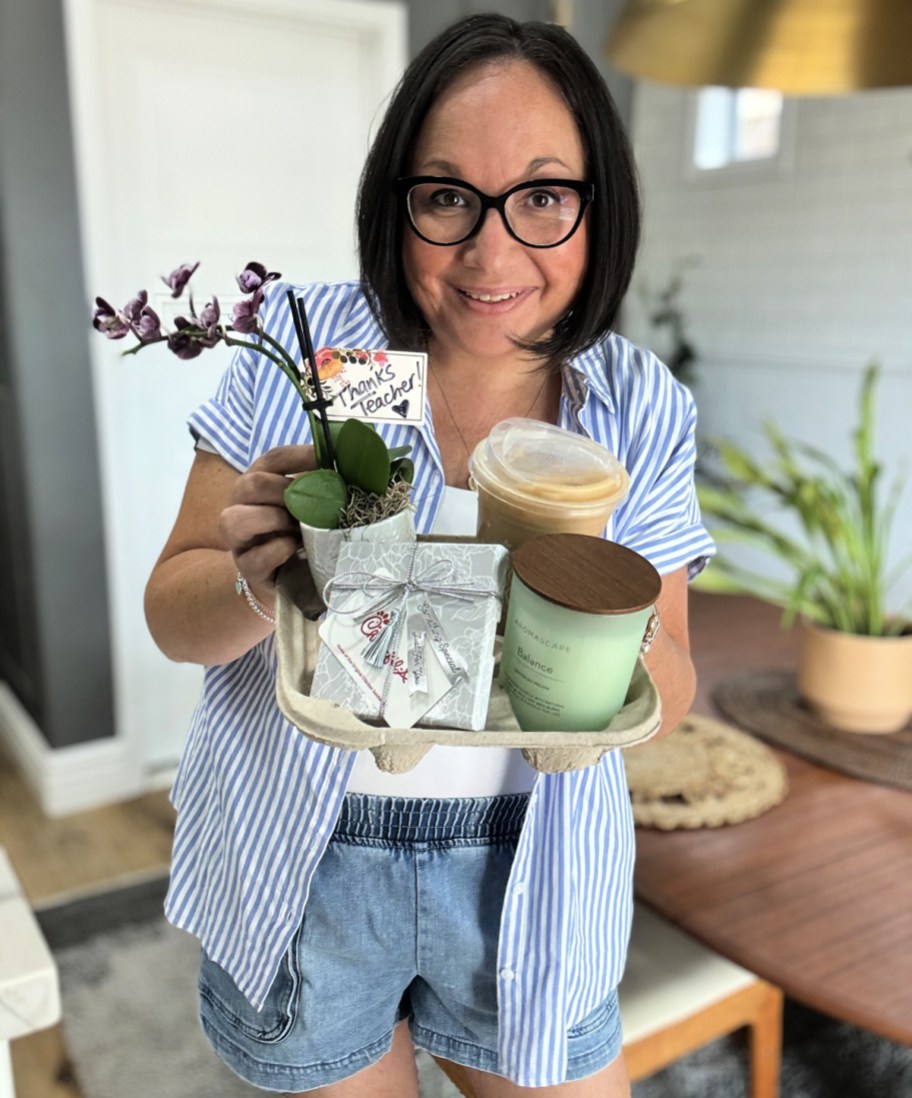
(529, 458)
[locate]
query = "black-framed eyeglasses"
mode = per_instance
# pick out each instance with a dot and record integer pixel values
(541, 213)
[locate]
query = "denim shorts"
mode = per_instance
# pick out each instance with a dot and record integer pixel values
(402, 923)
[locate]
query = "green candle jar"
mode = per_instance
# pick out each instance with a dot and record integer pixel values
(577, 613)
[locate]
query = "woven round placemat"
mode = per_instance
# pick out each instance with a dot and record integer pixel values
(767, 703)
(704, 774)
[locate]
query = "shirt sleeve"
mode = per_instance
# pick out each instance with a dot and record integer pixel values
(224, 424)
(660, 519)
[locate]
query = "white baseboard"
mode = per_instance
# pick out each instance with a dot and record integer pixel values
(67, 779)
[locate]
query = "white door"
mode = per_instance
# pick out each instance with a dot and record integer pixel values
(219, 131)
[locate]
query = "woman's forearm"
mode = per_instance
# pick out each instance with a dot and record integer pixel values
(194, 612)
(668, 659)
(672, 670)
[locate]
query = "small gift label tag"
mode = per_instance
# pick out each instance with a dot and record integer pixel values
(382, 657)
(376, 386)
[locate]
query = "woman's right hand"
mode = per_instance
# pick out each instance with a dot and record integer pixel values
(258, 530)
(228, 522)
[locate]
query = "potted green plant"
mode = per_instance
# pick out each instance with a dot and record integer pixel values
(360, 489)
(855, 662)
(359, 492)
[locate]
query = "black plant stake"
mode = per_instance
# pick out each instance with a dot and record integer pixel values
(302, 328)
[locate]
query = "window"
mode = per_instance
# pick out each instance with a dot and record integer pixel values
(734, 126)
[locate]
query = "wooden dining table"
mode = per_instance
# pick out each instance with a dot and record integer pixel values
(814, 895)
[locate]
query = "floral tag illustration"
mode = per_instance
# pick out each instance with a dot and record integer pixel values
(378, 386)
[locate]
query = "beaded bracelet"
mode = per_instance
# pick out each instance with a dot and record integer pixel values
(242, 587)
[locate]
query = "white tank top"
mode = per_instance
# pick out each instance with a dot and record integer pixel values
(449, 771)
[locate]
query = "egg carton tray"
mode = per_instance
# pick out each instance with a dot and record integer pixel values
(397, 750)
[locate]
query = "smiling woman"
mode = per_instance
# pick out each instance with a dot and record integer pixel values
(483, 300)
(486, 907)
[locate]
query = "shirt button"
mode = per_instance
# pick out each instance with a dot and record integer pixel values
(507, 974)
(520, 890)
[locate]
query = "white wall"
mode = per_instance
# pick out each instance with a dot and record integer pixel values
(800, 278)
(267, 178)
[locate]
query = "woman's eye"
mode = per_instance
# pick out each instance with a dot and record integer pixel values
(543, 200)
(447, 200)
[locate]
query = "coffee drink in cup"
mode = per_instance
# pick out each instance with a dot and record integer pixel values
(534, 478)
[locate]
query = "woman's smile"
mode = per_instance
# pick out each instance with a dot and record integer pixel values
(492, 301)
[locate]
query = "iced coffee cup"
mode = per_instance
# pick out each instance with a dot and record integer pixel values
(533, 478)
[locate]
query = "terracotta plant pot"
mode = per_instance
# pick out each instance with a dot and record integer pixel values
(856, 683)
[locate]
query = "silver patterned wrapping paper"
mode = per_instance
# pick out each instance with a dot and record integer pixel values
(470, 626)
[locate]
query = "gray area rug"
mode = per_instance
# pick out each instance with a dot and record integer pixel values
(130, 1022)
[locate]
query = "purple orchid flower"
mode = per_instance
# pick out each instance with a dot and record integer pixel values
(178, 279)
(148, 325)
(181, 342)
(108, 321)
(244, 315)
(208, 319)
(254, 276)
(134, 307)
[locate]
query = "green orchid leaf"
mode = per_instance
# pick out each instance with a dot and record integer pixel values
(398, 452)
(403, 469)
(317, 498)
(362, 457)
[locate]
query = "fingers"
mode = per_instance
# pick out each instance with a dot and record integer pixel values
(285, 460)
(245, 525)
(267, 478)
(258, 564)
(256, 525)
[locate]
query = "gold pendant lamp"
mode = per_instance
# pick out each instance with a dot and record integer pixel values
(799, 47)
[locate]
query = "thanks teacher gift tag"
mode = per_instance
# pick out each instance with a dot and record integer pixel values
(379, 386)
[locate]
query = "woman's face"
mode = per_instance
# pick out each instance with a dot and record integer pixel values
(496, 126)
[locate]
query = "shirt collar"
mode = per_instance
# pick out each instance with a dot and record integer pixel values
(588, 373)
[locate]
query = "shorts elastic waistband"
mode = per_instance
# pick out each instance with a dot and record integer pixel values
(368, 818)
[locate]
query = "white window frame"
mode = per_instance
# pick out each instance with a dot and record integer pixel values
(739, 171)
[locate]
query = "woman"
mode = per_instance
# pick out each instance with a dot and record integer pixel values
(473, 908)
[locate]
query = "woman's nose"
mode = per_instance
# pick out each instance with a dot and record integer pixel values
(492, 241)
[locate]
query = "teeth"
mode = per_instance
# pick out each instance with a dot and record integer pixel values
(490, 297)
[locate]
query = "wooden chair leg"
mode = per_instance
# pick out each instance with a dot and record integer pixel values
(457, 1075)
(766, 1044)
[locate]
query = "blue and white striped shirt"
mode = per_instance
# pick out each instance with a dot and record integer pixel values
(257, 801)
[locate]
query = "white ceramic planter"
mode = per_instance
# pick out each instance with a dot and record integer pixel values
(321, 547)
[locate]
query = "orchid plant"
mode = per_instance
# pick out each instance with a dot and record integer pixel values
(358, 479)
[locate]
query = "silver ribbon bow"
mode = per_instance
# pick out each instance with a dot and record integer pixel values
(394, 595)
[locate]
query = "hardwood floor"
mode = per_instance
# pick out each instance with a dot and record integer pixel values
(64, 857)
(56, 858)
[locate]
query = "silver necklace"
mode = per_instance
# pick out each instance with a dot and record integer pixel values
(462, 439)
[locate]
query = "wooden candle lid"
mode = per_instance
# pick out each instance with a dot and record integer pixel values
(586, 574)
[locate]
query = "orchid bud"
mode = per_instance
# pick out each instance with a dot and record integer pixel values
(148, 325)
(184, 345)
(254, 276)
(108, 321)
(135, 306)
(181, 342)
(210, 314)
(178, 279)
(244, 315)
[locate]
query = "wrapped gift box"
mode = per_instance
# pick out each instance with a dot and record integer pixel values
(409, 632)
